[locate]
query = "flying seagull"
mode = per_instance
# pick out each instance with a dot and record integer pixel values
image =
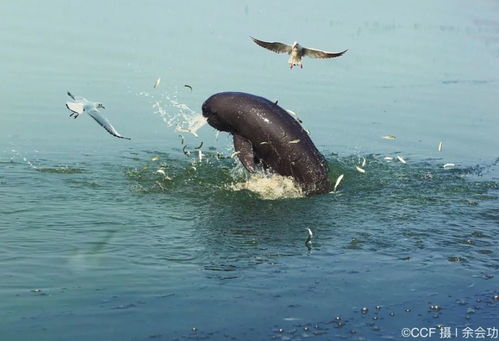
(81, 105)
(296, 51)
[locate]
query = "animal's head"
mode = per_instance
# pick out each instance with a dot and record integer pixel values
(295, 45)
(216, 113)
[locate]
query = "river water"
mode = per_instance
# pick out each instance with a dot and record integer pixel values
(97, 244)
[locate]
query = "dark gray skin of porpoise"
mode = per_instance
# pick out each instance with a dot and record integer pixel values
(266, 134)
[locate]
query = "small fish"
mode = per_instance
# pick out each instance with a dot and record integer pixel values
(188, 86)
(388, 137)
(360, 169)
(157, 83)
(160, 171)
(448, 165)
(309, 237)
(363, 162)
(338, 182)
(291, 319)
(401, 159)
(294, 114)
(440, 146)
(264, 142)
(155, 158)
(182, 130)
(388, 158)
(234, 154)
(294, 141)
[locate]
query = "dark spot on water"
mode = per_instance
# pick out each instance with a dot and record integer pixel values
(480, 235)
(485, 252)
(456, 259)
(60, 170)
(124, 306)
(487, 276)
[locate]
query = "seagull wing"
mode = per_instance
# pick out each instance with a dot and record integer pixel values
(274, 46)
(76, 107)
(105, 123)
(314, 53)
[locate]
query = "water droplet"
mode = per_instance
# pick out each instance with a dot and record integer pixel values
(391, 314)
(280, 330)
(194, 329)
(435, 308)
(375, 318)
(338, 318)
(407, 310)
(378, 307)
(305, 329)
(364, 310)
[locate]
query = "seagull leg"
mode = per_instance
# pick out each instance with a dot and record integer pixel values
(301, 66)
(291, 65)
(75, 115)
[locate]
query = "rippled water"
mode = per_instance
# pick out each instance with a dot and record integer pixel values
(97, 244)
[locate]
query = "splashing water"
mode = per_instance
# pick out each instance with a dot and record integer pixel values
(176, 114)
(270, 187)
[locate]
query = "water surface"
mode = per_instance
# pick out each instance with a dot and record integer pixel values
(96, 244)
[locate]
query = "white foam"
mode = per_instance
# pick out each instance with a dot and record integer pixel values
(175, 114)
(270, 187)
